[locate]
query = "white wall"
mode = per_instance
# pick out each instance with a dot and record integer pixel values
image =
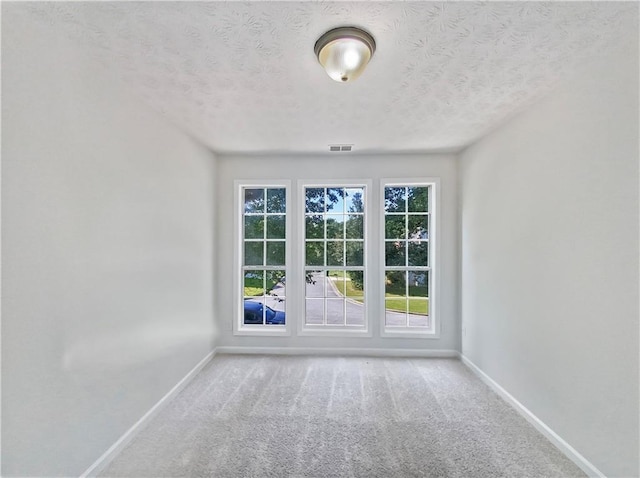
(550, 261)
(107, 236)
(341, 166)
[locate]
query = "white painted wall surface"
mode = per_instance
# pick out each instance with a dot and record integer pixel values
(550, 261)
(107, 250)
(340, 166)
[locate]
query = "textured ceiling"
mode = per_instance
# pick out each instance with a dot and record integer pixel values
(242, 77)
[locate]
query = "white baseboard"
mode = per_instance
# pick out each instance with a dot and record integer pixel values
(363, 352)
(108, 456)
(571, 453)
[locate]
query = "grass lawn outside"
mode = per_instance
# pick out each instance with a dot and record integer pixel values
(395, 298)
(336, 274)
(351, 290)
(253, 286)
(397, 302)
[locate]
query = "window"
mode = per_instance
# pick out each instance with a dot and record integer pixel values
(326, 285)
(334, 234)
(408, 244)
(263, 259)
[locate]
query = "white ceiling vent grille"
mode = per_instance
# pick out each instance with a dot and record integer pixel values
(340, 147)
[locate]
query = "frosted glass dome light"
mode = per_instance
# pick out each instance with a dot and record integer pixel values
(344, 52)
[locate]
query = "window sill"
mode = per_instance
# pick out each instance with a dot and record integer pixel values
(268, 331)
(333, 332)
(406, 333)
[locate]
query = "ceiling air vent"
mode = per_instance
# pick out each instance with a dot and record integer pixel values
(340, 147)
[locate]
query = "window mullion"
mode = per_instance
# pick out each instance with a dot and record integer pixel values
(264, 257)
(406, 256)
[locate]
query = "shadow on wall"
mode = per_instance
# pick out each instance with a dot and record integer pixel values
(134, 347)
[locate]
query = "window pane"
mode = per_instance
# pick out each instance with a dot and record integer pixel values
(276, 227)
(419, 306)
(253, 227)
(354, 226)
(394, 253)
(314, 311)
(335, 227)
(395, 312)
(355, 311)
(275, 253)
(418, 320)
(395, 227)
(418, 199)
(335, 284)
(354, 306)
(253, 312)
(314, 253)
(418, 253)
(395, 284)
(253, 283)
(354, 199)
(395, 199)
(355, 253)
(395, 298)
(355, 284)
(254, 200)
(314, 200)
(335, 253)
(335, 311)
(274, 311)
(314, 227)
(315, 283)
(276, 200)
(398, 304)
(275, 283)
(254, 253)
(418, 312)
(334, 200)
(418, 284)
(418, 226)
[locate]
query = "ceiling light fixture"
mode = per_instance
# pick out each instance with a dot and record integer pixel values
(344, 52)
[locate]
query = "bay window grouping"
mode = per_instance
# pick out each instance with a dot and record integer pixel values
(334, 253)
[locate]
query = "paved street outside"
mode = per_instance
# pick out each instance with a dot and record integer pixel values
(354, 309)
(337, 305)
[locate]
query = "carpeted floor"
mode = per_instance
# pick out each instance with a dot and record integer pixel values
(282, 416)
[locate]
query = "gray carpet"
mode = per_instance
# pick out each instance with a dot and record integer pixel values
(278, 416)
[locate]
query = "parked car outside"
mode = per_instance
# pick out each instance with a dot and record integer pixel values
(253, 312)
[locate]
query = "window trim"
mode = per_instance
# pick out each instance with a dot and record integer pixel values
(239, 328)
(339, 330)
(433, 332)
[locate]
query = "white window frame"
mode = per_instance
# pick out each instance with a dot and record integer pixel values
(239, 328)
(337, 330)
(433, 331)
